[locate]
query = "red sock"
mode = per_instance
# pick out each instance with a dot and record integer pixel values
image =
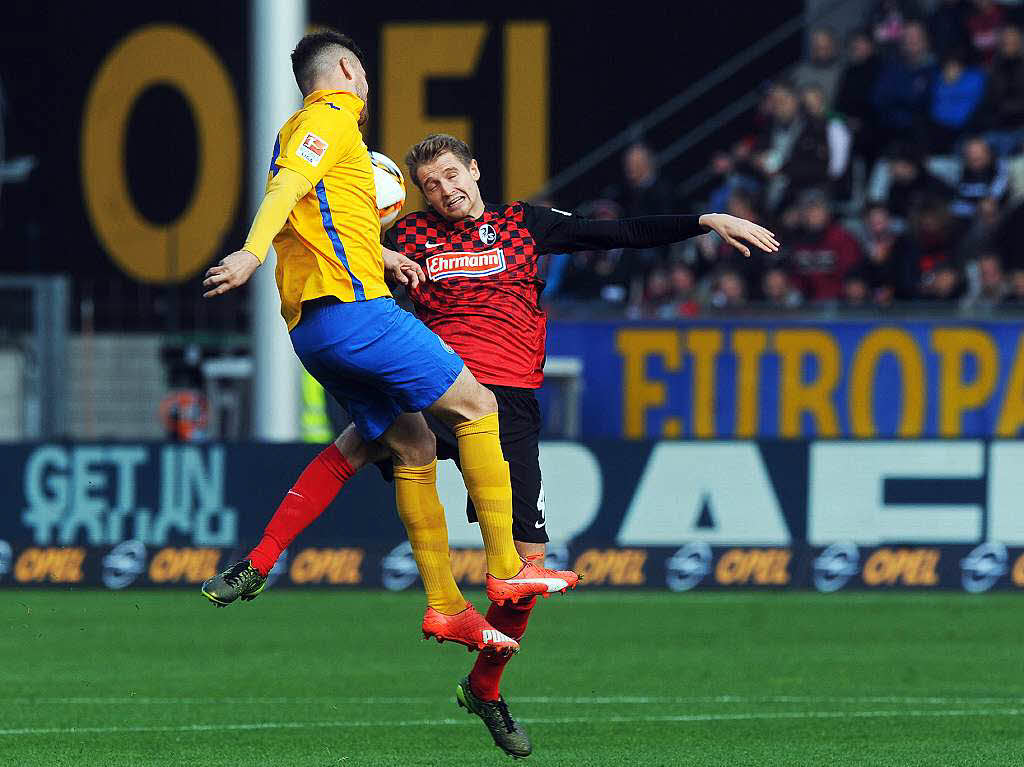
(511, 620)
(316, 487)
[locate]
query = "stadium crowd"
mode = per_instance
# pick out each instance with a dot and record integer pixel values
(891, 174)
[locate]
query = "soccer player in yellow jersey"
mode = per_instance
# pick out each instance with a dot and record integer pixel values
(380, 362)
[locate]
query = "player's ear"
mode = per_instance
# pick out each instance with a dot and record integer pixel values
(346, 67)
(474, 170)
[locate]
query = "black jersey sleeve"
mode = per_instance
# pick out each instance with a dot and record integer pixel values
(391, 239)
(558, 232)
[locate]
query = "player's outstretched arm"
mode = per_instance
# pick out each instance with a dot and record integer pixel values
(736, 231)
(234, 270)
(557, 231)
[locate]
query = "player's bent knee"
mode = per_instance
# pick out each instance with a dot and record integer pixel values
(477, 401)
(466, 400)
(355, 450)
(411, 442)
(485, 401)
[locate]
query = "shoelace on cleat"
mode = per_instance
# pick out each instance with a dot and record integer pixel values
(242, 573)
(505, 715)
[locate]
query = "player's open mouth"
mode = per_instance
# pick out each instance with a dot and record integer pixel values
(455, 202)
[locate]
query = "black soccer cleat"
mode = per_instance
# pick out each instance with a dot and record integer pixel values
(508, 734)
(240, 581)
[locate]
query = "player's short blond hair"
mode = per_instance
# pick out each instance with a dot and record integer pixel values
(432, 147)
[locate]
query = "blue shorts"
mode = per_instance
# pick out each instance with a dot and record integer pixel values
(376, 359)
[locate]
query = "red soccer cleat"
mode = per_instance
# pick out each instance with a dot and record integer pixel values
(530, 581)
(468, 628)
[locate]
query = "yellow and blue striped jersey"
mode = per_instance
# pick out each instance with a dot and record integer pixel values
(330, 245)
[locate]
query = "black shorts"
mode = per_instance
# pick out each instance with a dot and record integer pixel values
(519, 425)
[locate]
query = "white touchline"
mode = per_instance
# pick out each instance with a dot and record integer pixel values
(754, 715)
(545, 699)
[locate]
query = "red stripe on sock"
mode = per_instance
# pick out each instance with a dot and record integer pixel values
(313, 492)
(510, 619)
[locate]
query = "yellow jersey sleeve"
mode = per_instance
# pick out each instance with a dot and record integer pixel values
(283, 191)
(323, 136)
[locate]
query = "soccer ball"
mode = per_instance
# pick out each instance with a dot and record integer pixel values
(390, 187)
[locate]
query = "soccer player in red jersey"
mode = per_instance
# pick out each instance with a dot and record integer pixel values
(474, 281)
(471, 270)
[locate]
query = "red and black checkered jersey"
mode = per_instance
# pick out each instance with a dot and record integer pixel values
(482, 294)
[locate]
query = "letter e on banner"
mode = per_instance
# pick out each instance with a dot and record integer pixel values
(846, 500)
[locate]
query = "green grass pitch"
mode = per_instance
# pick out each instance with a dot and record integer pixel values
(604, 678)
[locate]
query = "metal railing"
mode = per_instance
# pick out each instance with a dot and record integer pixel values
(709, 125)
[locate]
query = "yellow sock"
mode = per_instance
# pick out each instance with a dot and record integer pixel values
(423, 517)
(487, 479)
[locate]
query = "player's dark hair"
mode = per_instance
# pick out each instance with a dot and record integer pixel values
(432, 147)
(306, 55)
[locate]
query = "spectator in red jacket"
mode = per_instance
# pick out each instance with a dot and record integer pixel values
(985, 25)
(825, 252)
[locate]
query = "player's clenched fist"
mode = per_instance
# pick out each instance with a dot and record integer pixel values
(233, 270)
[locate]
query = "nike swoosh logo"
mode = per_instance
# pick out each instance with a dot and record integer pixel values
(553, 584)
(540, 524)
(432, 244)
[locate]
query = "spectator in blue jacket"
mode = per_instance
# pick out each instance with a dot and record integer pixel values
(904, 87)
(958, 92)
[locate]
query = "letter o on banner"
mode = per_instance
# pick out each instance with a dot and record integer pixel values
(161, 54)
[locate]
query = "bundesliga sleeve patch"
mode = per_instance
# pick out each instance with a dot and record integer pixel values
(312, 149)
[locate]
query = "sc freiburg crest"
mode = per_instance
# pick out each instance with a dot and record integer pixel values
(487, 234)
